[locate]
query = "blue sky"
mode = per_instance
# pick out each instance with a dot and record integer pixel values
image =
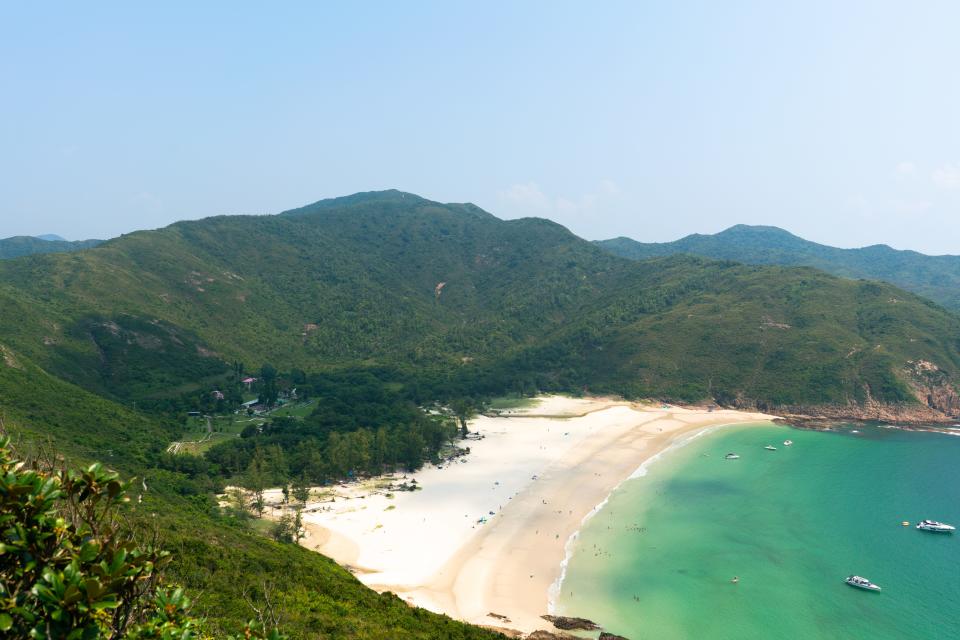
(839, 121)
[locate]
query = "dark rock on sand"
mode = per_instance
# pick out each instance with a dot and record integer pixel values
(569, 624)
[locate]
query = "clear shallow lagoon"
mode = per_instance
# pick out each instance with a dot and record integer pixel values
(657, 560)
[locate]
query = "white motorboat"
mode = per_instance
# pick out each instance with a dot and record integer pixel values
(770, 447)
(787, 443)
(936, 527)
(731, 456)
(861, 583)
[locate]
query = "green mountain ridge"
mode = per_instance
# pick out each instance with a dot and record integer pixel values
(389, 278)
(934, 277)
(17, 246)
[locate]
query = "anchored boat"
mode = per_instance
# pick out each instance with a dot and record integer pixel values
(861, 583)
(936, 527)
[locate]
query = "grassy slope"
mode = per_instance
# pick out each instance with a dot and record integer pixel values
(934, 277)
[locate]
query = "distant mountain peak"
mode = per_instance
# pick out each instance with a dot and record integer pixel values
(18, 246)
(394, 200)
(758, 230)
(386, 196)
(935, 277)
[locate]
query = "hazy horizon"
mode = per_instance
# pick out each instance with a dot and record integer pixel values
(836, 123)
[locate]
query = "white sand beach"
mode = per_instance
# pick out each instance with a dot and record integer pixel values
(487, 533)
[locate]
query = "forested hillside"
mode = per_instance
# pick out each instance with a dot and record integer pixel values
(934, 277)
(223, 564)
(451, 292)
(17, 246)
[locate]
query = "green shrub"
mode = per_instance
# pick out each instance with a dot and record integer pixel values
(70, 569)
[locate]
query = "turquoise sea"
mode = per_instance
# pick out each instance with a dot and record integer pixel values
(657, 560)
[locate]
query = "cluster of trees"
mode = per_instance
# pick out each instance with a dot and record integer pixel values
(287, 448)
(364, 422)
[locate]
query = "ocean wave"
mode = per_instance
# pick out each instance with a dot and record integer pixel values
(950, 431)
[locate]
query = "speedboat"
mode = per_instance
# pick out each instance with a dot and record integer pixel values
(770, 447)
(936, 527)
(732, 456)
(861, 583)
(787, 443)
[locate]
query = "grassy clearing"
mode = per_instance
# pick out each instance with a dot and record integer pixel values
(296, 410)
(261, 525)
(196, 439)
(195, 428)
(512, 402)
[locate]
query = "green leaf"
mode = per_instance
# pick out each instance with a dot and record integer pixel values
(89, 551)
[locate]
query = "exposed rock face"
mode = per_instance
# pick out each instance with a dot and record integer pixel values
(937, 402)
(936, 395)
(871, 412)
(610, 636)
(6, 355)
(932, 386)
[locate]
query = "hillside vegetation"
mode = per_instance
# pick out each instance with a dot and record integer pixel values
(934, 277)
(17, 246)
(451, 292)
(228, 568)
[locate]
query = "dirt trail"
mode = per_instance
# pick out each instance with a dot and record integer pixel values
(175, 447)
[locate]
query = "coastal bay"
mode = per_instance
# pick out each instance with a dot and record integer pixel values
(791, 524)
(489, 533)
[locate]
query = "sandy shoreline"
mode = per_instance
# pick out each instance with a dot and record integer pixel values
(489, 534)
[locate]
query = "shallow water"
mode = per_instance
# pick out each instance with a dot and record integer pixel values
(658, 559)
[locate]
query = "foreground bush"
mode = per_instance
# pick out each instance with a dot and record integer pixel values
(69, 569)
